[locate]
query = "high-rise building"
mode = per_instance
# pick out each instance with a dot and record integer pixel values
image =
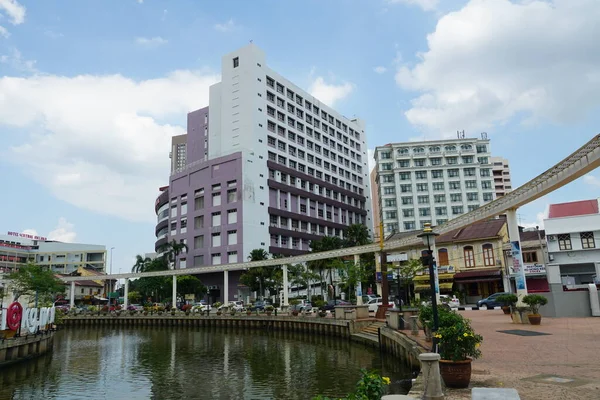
(501, 173)
(432, 181)
(178, 152)
(268, 166)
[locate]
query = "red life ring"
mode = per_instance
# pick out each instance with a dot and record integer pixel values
(14, 313)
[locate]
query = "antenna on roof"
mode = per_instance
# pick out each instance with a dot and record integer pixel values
(460, 135)
(484, 135)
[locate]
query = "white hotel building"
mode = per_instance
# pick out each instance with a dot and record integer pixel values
(432, 181)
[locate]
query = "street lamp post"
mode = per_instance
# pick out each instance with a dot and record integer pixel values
(428, 237)
(110, 282)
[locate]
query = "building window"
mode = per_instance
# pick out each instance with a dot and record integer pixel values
(232, 257)
(443, 257)
(199, 242)
(469, 256)
(231, 195)
(587, 240)
(231, 237)
(216, 199)
(564, 242)
(530, 257)
(216, 219)
(216, 259)
(199, 203)
(236, 62)
(198, 261)
(199, 222)
(232, 216)
(488, 255)
(216, 239)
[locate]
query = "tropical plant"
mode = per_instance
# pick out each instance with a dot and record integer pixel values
(326, 243)
(535, 301)
(356, 235)
(134, 296)
(446, 317)
(172, 251)
(371, 386)
(34, 279)
(188, 284)
(141, 264)
(508, 299)
(458, 342)
(259, 278)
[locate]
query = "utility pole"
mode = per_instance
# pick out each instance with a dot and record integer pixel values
(382, 309)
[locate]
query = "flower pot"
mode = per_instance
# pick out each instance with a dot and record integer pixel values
(506, 309)
(145, 312)
(187, 312)
(219, 313)
(534, 319)
(269, 313)
(322, 314)
(248, 312)
(295, 313)
(456, 374)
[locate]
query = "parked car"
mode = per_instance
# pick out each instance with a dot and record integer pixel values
(491, 301)
(305, 305)
(259, 305)
(237, 305)
(453, 301)
(135, 307)
(330, 305)
(375, 303)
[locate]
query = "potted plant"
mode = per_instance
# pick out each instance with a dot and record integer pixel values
(269, 309)
(535, 301)
(173, 311)
(318, 304)
(104, 310)
(232, 309)
(293, 304)
(249, 309)
(160, 310)
(218, 305)
(458, 346)
(187, 308)
(509, 301)
(146, 309)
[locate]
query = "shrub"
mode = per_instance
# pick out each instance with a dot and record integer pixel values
(458, 341)
(446, 316)
(371, 386)
(534, 301)
(508, 299)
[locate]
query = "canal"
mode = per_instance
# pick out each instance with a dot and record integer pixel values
(188, 363)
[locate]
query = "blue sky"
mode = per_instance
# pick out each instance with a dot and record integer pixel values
(90, 92)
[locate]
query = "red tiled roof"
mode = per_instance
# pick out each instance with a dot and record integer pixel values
(527, 236)
(574, 208)
(478, 230)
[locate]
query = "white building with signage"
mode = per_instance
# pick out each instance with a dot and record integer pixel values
(573, 233)
(18, 249)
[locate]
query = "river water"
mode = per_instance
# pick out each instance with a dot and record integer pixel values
(182, 363)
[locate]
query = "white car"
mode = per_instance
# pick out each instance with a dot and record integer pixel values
(375, 303)
(237, 305)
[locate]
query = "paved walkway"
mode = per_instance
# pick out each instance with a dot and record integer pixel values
(536, 365)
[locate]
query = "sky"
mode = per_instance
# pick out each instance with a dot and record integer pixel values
(92, 91)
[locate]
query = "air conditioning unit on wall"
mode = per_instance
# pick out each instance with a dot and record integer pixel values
(551, 238)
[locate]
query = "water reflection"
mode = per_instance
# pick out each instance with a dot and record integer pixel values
(179, 363)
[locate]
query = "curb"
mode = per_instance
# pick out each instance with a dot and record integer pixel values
(475, 308)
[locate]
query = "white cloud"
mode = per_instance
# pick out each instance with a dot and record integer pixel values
(329, 93)
(494, 60)
(140, 1)
(426, 5)
(14, 10)
(64, 232)
(104, 138)
(151, 42)
(371, 159)
(380, 69)
(227, 26)
(539, 219)
(16, 61)
(591, 180)
(3, 32)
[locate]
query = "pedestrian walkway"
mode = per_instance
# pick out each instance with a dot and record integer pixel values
(556, 360)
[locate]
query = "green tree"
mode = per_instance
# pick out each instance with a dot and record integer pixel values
(33, 279)
(134, 296)
(408, 271)
(188, 284)
(326, 243)
(351, 274)
(356, 235)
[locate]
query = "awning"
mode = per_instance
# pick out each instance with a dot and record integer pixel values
(537, 285)
(477, 276)
(425, 278)
(443, 286)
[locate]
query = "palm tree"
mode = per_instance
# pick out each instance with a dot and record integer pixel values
(258, 274)
(173, 249)
(141, 264)
(326, 243)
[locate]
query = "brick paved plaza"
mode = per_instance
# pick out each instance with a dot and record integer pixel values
(565, 364)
